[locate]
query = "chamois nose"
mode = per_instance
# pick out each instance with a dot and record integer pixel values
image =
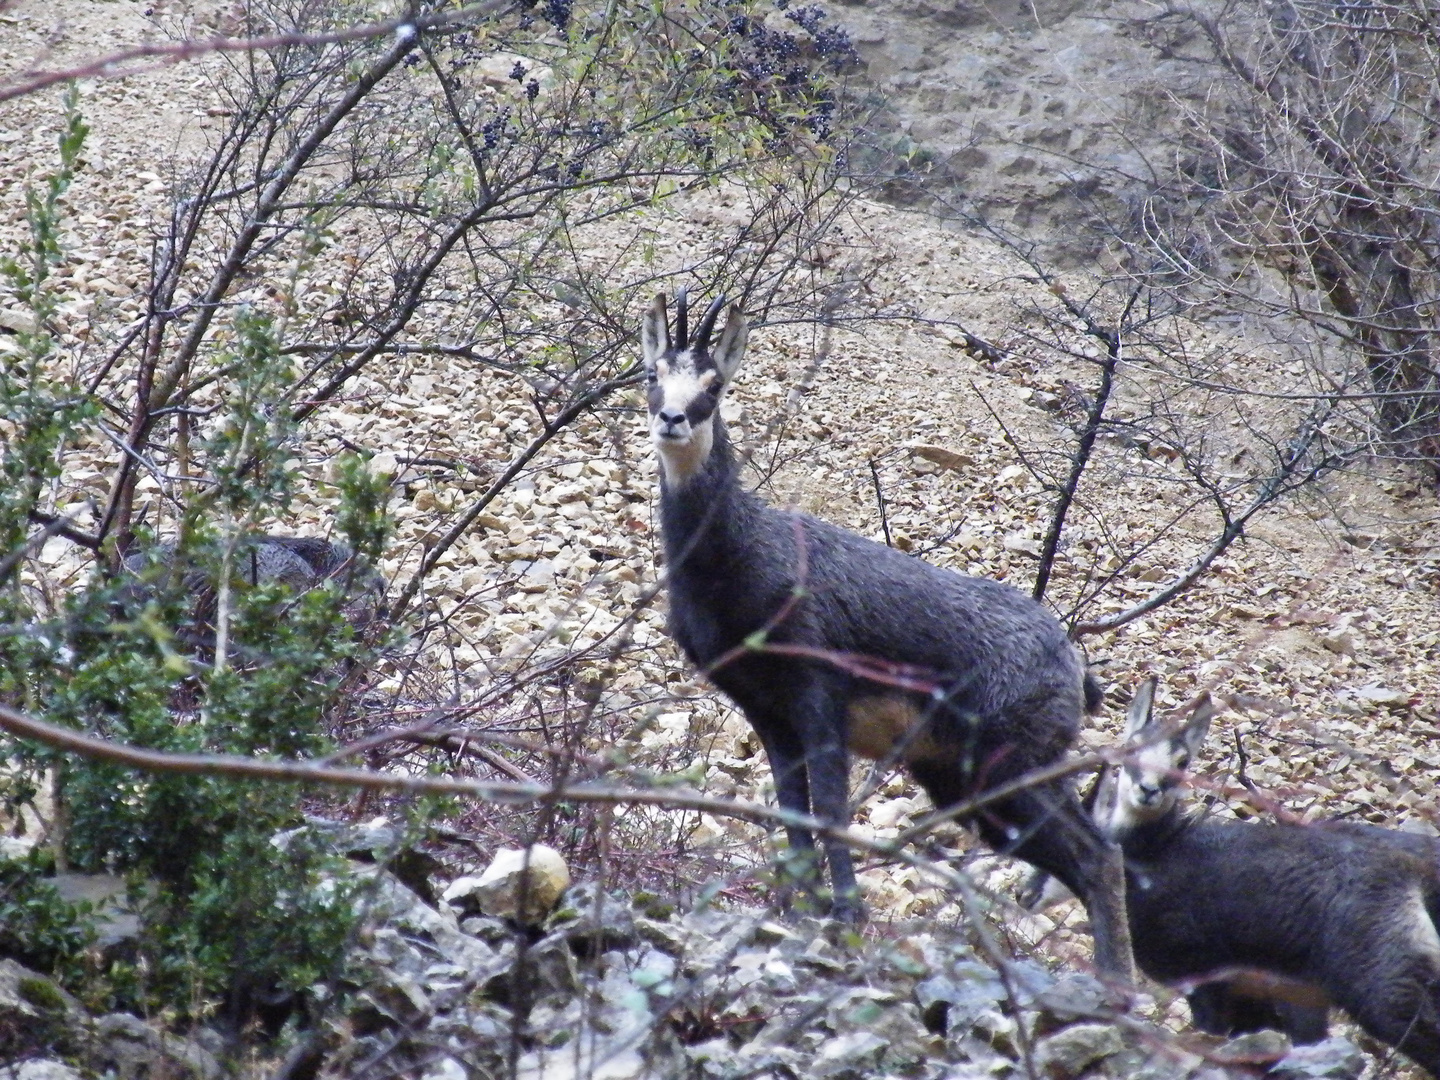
(671, 419)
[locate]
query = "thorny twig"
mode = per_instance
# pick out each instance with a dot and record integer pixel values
(880, 502)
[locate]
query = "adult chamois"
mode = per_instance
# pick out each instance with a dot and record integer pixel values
(1270, 924)
(829, 642)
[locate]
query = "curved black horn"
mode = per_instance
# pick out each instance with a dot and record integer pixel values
(682, 297)
(707, 324)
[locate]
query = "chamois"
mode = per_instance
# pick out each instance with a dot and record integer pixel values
(829, 642)
(1270, 924)
(301, 562)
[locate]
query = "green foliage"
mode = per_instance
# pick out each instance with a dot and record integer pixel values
(184, 652)
(234, 919)
(38, 410)
(363, 495)
(172, 644)
(245, 448)
(254, 921)
(37, 927)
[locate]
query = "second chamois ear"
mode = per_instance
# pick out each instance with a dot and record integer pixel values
(730, 350)
(1198, 726)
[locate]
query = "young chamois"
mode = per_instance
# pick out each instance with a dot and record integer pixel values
(1271, 924)
(809, 618)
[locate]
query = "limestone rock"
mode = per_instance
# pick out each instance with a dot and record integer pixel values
(954, 460)
(16, 847)
(34, 1012)
(1332, 1059)
(17, 321)
(520, 884)
(855, 1054)
(590, 918)
(133, 1050)
(39, 1070)
(1382, 695)
(115, 922)
(403, 910)
(1022, 544)
(1070, 1052)
(1075, 996)
(960, 997)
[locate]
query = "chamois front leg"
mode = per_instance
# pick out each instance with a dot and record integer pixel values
(819, 716)
(786, 755)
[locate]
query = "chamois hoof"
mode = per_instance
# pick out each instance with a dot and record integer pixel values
(848, 911)
(1032, 894)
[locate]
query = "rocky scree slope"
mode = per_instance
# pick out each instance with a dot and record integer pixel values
(1320, 627)
(623, 987)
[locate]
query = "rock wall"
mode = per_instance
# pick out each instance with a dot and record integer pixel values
(1044, 116)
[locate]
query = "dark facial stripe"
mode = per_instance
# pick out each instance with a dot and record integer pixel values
(701, 408)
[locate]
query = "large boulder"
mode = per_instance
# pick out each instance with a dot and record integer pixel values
(1037, 115)
(36, 1014)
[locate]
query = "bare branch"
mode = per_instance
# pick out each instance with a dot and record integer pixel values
(244, 768)
(118, 64)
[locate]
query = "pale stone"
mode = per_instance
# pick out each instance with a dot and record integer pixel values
(384, 464)
(39, 1070)
(537, 874)
(1022, 544)
(1383, 695)
(946, 458)
(1341, 641)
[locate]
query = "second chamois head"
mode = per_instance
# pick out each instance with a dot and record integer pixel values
(1147, 784)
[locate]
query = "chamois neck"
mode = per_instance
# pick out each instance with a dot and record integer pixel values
(701, 516)
(1151, 837)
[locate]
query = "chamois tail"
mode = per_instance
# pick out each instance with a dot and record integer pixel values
(1094, 694)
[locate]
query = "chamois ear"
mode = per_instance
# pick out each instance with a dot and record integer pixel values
(1137, 719)
(654, 333)
(1198, 726)
(1105, 808)
(731, 349)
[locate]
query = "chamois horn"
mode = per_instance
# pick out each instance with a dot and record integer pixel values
(707, 324)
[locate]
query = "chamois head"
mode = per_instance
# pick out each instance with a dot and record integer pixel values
(687, 378)
(1147, 784)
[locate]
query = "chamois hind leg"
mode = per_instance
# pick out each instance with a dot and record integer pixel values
(1403, 1010)
(1046, 826)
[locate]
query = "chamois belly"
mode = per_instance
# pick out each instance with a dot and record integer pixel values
(1263, 985)
(890, 726)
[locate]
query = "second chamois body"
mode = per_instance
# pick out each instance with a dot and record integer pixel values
(1267, 925)
(832, 643)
